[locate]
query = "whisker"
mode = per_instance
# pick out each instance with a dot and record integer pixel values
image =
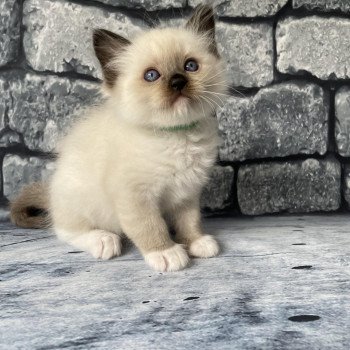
(213, 101)
(218, 97)
(201, 106)
(208, 102)
(216, 93)
(217, 73)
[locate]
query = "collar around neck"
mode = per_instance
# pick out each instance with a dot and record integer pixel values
(181, 127)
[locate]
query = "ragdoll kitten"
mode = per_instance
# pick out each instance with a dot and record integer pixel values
(137, 163)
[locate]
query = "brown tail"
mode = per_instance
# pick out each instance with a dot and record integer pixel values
(31, 207)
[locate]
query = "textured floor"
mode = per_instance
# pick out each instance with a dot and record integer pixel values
(279, 283)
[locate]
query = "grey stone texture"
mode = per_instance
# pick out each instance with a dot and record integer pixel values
(58, 35)
(346, 184)
(244, 8)
(19, 171)
(248, 52)
(293, 186)
(9, 138)
(149, 5)
(217, 193)
(9, 30)
(4, 96)
(284, 119)
(323, 5)
(342, 121)
(41, 108)
(318, 45)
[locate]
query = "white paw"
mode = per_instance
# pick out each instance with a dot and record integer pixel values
(171, 259)
(204, 247)
(99, 243)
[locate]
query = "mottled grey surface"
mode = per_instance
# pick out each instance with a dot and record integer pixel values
(58, 35)
(346, 184)
(323, 5)
(292, 186)
(271, 270)
(150, 5)
(4, 97)
(244, 8)
(19, 171)
(53, 43)
(248, 52)
(284, 119)
(9, 138)
(217, 193)
(9, 30)
(320, 46)
(342, 121)
(41, 108)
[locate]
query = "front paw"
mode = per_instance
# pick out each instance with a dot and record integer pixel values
(204, 247)
(171, 259)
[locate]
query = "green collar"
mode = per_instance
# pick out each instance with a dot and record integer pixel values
(181, 127)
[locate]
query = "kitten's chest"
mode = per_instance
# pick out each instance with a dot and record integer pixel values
(189, 160)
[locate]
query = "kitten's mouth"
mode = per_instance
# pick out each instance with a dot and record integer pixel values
(179, 100)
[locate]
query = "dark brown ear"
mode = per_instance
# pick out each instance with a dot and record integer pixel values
(203, 22)
(107, 45)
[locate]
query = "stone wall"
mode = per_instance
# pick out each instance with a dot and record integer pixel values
(285, 129)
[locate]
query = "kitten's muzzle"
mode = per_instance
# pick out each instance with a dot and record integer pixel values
(178, 82)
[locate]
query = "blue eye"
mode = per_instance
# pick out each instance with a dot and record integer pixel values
(191, 65)
(151, 75)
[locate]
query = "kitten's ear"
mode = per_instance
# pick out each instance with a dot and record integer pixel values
(203, 22)
(107, 45)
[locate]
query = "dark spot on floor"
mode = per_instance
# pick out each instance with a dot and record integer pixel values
(304, 318)
(299, 244)
(191, 298)
(75, 252)
(298, 231)
(61, 272)
(145, 302)
(302, 267)
(78, 343)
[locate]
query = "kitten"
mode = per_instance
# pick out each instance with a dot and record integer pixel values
(137, 163)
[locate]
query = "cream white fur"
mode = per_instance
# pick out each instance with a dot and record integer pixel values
(204, 247)
(171, 259)
(117, 170)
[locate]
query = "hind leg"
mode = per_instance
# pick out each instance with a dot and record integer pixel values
(100, 244)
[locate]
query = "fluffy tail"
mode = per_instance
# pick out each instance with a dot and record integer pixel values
(31, 208)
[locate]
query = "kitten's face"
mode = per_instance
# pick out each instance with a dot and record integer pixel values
(168, 77)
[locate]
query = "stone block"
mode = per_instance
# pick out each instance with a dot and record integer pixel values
(247, 50)
(316, 45)
(342, 121)
(293, 186)
(41, 108)
(244, 8)
(217, 193)
(9, 30)
(285, 119)
(324, 5)
(58, 35)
